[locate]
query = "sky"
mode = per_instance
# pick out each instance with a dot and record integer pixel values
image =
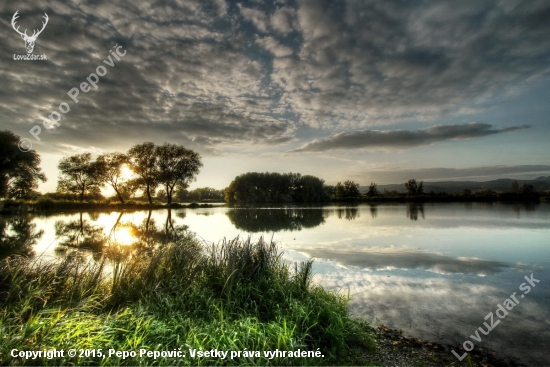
(371, 91)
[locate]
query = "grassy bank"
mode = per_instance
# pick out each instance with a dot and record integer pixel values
(47, 204)
(233, 297)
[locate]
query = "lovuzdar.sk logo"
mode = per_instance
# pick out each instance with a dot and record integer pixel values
(29, 40)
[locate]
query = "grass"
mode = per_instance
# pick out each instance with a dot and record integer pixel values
(236, 296)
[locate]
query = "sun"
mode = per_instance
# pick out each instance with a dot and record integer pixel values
(126, 173)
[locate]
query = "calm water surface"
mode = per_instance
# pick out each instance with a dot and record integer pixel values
(434, 270)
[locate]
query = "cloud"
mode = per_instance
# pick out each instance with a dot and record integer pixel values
(273, 46)
(197, 71)
(403, 138)
(257, 17)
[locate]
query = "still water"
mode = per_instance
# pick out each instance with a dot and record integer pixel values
(433, 270)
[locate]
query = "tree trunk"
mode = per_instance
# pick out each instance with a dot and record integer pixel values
(168, 195)
(81, 195)
(119, 196)
(149, 195)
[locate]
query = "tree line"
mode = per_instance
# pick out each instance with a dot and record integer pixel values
(271, 187)
(168, 166)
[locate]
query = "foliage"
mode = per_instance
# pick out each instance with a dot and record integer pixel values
(176, 166)
(199, 194)
(235, 296)
(143, 162)
(110, 172)
(78, 174)
(19, 171)
(255, 187)
(349, 189)
(413, 188)
(373, 190)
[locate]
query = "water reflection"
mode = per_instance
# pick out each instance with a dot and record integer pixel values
(347, 213)
(273, 220)
(18, 235)
(79, 233)
(413, 209)
(373, 211)
(105, 234)
(403, 258)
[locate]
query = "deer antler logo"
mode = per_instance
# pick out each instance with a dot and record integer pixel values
(29, 41)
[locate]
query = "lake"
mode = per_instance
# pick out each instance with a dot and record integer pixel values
(433, 270)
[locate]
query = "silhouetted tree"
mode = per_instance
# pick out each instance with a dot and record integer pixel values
(413, 188)
(79, 175)
(143, 161)
(19, 171)
(339, 191)
(176, 166)
(527, 189)
(110, 172)
(373, 190)
(254, 187)
(351, 189)
(515, 187)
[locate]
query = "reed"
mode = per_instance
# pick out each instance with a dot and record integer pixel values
(238, 295)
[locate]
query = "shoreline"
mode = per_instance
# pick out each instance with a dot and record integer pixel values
(8, 207)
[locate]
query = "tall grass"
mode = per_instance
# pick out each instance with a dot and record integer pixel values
(238, 295)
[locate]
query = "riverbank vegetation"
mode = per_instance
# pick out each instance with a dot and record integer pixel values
(237, 296)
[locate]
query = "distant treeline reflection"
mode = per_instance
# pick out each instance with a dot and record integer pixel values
(290, 219)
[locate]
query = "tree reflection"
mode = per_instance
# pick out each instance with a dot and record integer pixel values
(79, 234)
(121, 238)
(413, 209)
(373, 211)
(273, 220)
(347, 213)
(18, 235)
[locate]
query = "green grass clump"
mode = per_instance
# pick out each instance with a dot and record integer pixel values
(235, 296)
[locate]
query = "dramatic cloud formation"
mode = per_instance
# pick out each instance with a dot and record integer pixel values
(402, 138)
(248, 77)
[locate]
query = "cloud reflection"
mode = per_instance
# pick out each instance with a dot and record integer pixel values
(402, 258)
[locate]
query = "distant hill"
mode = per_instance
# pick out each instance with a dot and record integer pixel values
(456, 187)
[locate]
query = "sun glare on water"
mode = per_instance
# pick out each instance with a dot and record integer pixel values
(123, 236)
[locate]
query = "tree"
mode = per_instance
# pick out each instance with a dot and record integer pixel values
(339, 191)
(515, 187)
(256, 187)
(351, 189)
(19, 171)
(413, 188)
(176, 166)
(143, 161)
(79, 175)
(110, 172)
(161, 195)
(527, 189)
(373, 190)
